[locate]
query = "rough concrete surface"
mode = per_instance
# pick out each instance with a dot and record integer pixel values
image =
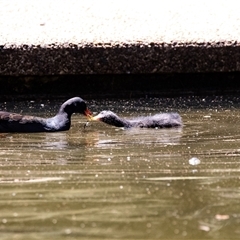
(43, 37)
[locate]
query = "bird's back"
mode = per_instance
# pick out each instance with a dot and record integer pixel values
(163, 120)
(13, 122)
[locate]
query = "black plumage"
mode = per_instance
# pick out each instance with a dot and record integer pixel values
(14, 122)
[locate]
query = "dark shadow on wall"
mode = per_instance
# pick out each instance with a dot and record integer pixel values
(119, 86)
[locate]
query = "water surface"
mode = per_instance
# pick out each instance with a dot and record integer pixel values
(103, 182)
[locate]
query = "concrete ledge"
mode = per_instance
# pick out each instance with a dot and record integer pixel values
(120, 58)
(61, 37)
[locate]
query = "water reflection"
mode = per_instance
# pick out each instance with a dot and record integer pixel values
(107, 183)
(136, 136)
(55, 141)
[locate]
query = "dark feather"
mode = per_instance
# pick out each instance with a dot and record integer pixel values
(163, 120)
(14, 122)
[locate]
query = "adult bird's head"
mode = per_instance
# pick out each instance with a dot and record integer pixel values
(76, 105)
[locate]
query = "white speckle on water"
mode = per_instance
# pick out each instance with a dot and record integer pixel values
(68, 231)
(15, 214)
(128, 158)
(4, 220)
(149, 225)
(176, 231)
(204, 228)
(121, 187)
(194, 161)
(109, 159)
(54, 221)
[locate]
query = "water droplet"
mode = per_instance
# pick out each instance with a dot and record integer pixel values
(15, 214)
(54, 221)
(4, 220)
(194, 161)
(221, 217)
(68, 231)
(176, 231)
(204, 228)
(149, 225)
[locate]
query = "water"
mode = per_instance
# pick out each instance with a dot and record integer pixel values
(107, 183)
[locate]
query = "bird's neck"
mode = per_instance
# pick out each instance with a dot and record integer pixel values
(119, 122)
(65, 111)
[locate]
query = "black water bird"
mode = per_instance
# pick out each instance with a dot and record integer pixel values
(14, 122)
(162, 120)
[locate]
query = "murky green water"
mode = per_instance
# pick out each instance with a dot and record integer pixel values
(108, 183)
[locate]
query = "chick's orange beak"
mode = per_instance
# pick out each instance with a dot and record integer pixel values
(95, 118)
(88, 114)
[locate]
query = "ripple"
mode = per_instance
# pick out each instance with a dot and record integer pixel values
(31, 180)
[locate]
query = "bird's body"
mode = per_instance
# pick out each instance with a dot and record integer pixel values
(162, 120)
(14, 122)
